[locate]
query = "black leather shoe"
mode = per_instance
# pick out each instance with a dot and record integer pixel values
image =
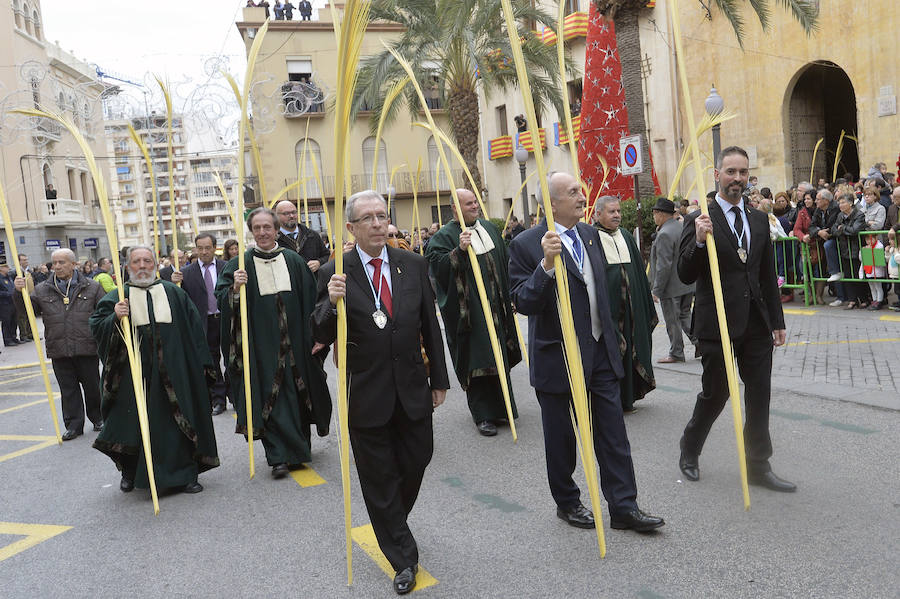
(688, 464)
(218, 409)
(635, 520)
(194, 487)
(126, 485)
(487, 428)
(770, 481)
(98, 426)
(579, 516)
(70, 434)
(280, 471)
(405, 580)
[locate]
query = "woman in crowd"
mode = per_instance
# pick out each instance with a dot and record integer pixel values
(230, 249)
(845, 232)
(805, 211)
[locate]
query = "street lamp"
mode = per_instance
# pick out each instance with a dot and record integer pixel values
(714, 106)
(521, 156)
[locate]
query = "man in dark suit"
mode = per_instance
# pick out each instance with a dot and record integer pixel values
(755, 319)
(674, 297)
(198, 279)
(531, 274)
(165, 273)
(296, 236)
(390, 308)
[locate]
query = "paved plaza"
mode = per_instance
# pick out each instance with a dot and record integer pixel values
(485, 521)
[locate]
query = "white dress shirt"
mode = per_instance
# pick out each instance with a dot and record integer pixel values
(370, 268)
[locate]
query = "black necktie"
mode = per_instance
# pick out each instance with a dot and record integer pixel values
(738, 226)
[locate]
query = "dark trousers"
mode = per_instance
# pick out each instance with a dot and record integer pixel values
(610, 441)
(22, 321)
(753, 352)
(390, 462)
(75, 375)
(8, 322)
(677, 315)
(213, 334)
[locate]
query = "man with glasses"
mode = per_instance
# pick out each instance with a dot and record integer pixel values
(296, 236)
(464, 321)
(288, 389)
(390, 317)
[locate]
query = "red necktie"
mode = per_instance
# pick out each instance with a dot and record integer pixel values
(380, 282)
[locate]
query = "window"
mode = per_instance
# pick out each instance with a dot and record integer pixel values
(571, 6)
(18, 14)
(435, 168)
(502, 121)
(70, 175)
(306, 169)
(37, 25)
(299, 68)
(382, 174)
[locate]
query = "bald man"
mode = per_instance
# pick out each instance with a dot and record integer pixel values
(296, 236)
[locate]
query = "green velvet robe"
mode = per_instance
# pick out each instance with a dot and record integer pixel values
(288, 388)
(177, 372)
(633, 312)
(464, 324)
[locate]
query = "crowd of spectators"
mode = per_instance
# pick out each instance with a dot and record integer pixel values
(284, 11)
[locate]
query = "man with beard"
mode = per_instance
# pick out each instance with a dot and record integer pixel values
(464, 320)
(755, 318)
(288, 389)
(176, 368)
(296, 236)
(629, 300)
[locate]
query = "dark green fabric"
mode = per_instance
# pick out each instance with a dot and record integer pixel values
(288, 388)
(632, 309)
(176, 365)
(464, 323)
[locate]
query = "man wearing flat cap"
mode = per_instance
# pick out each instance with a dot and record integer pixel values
(675, 298)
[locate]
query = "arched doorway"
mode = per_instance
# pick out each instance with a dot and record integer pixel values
(821, 104)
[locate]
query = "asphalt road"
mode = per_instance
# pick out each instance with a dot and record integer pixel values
(485, 522)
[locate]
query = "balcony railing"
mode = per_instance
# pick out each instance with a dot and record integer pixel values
(62, 212)
(429, 181)
(302, 98)
(45, 129)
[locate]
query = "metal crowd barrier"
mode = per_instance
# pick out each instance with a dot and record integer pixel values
(864, 256)
(790, 265)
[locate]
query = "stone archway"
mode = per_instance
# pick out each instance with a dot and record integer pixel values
(820, 104)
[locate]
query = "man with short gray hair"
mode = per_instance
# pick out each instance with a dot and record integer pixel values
(67, 299)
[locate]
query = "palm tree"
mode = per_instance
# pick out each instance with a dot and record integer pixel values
(624, 15)
(455, 46)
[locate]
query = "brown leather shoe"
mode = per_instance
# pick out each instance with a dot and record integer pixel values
(669, 360)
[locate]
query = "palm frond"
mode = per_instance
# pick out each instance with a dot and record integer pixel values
(805, 12)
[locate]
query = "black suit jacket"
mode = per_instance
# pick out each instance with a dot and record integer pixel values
(308, 244)
(195, 287)
(743, 285)
(166, 273)
(534, 294)
(384, 364)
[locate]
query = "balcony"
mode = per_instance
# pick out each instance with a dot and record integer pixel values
(44, 130)
(500, 147)
(62, 212)
(302, 98)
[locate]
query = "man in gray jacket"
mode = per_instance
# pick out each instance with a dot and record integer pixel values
(675, 298)
(67, 299)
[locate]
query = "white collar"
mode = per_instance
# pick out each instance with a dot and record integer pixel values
(725, 205)
(366, 258)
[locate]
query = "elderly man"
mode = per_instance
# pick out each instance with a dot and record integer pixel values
(288, 388)
(675, 298)
(67, 300)
(175, 365)
(390, 317)
(754, 314)
(630, 301)
(464, 320)
(531, 273)
(198, 279)
(296, 236)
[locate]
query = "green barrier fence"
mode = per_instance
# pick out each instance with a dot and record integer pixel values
(862, 257)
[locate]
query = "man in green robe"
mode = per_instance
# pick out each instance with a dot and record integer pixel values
(464, 323)
(630, 302)
(177, 370)
(287, 382)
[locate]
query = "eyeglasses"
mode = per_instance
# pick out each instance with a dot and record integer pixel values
(393, 235)
(371, 218)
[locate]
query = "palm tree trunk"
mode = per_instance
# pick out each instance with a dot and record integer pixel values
(628, 39)
(462, 108)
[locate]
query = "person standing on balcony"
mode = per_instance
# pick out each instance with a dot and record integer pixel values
(294, 235)
(288, 11)
(305, 9)
(279, 11)
(50, 193)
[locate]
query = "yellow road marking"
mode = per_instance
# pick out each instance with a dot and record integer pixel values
(799, 311)
(845, 342)
(17, 366)
(24, 405)
(307, 477)
(33, 533)
(21, 378)
(890, 317)
(364, 536)
(45, 441)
